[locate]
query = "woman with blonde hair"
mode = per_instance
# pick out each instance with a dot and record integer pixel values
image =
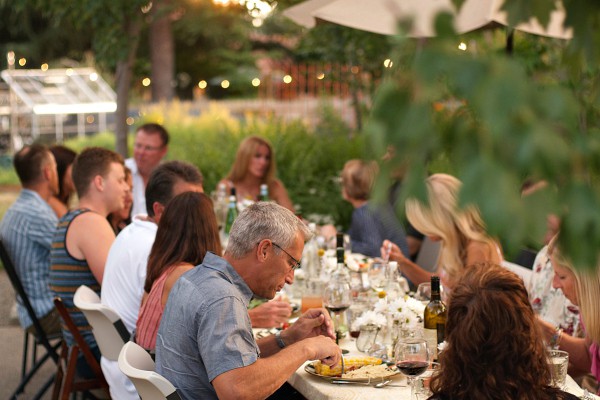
(494, 350)
(464, 240)
(582, 288)
(255, 165)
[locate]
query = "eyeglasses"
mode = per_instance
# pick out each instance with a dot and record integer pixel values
(296, 262)
(138, 146)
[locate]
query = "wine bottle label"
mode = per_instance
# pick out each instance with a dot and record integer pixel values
(431, 336)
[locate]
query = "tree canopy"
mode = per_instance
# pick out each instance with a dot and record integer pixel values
(498, 122)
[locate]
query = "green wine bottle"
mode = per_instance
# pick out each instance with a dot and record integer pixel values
(434, 319)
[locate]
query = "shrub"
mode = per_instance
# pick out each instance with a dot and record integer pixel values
(309, 160)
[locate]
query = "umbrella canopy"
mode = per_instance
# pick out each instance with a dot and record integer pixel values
(381, 16)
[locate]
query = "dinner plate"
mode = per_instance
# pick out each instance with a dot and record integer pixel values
(310, 369)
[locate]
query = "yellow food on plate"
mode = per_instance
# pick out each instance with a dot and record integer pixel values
(350, 363)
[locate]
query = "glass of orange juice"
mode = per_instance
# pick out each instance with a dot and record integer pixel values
(312, 297)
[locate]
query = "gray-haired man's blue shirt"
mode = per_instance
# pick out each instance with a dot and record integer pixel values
(205, 329)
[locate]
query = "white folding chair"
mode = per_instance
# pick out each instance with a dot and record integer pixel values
(524, 273)
(109, 331)
(136, 363)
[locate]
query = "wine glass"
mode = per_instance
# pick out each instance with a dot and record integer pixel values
(412, 359)
(424, 292)
(378, 275)
(336, 299)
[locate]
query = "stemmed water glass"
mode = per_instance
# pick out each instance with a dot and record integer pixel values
(412, 359)
(378, 275)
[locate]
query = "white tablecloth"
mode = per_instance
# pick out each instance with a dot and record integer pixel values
(315, 388)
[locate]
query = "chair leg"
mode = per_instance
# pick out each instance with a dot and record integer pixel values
(67, 386)
(60, 372)
(44, 388)
(25, 351)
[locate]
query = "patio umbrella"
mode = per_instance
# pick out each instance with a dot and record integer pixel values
(380, 16)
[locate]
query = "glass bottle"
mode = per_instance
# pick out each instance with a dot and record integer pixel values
(220, 205)
(264, 193)
(232, 214)
(434, 319)
(337, 296)
(311, 262)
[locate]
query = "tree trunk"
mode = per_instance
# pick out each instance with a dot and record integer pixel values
(162, 52)
(123, 78)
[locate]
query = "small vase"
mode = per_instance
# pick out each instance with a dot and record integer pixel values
(367, 336)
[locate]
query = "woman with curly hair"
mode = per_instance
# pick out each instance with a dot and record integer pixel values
(254, 165)
(494, 349)
(460, 230)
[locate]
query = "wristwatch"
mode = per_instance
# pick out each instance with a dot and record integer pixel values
(279, 340)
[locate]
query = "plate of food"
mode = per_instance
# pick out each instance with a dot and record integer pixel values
(356, 369)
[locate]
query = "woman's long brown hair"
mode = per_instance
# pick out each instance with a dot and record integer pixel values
(494, 347)
(186, 231)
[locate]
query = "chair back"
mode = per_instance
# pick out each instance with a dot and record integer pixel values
(66, 381)
(428, 254)
(109, 331)
(51, 350)
(136, 363)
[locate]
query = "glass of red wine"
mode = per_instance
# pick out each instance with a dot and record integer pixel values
(412, 359)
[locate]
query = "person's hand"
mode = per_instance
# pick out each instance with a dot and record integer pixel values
(314, 322)
(547, 328)
(271, 314)
(390, 251)
(324, 349)
(328, 232)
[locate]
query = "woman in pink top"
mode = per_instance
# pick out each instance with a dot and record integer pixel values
(187, 230)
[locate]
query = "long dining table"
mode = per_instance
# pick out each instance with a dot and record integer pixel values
(317, 388)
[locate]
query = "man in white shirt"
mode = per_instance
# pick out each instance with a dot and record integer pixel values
(150, 147)
(125, 270)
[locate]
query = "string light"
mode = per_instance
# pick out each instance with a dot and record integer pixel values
(146, 82)
(255, 82)
(462, 46)
(224, 83)
(287, 79)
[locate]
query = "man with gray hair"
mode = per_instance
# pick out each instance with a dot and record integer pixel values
(205, 345)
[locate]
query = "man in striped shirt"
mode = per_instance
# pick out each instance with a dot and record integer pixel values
(27, 229)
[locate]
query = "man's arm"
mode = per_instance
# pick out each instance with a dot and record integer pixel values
(266, 375)
(315, 322)
(89, 238)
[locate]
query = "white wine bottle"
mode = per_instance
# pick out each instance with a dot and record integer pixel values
(434, 319)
